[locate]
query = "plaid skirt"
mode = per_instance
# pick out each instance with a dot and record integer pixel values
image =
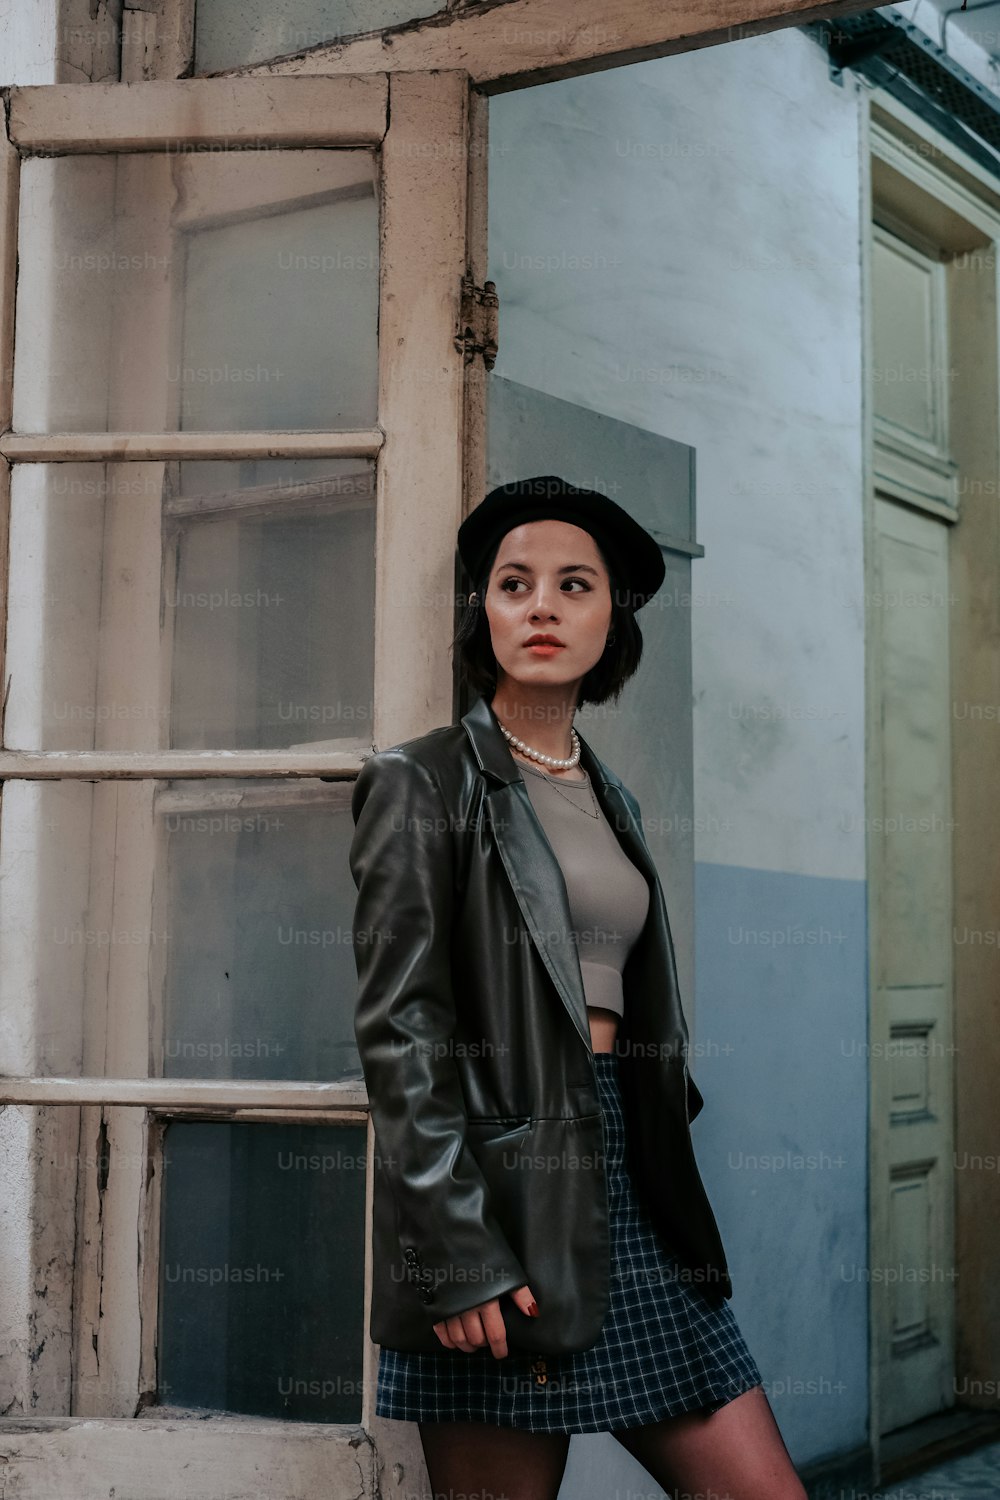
(664, 1348)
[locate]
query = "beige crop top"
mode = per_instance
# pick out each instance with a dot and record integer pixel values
(608, 895)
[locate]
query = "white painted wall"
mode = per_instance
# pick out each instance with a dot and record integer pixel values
(28, 41)
(677, 244)
(59, 41)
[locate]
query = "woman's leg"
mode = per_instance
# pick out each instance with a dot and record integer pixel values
(477, 1458)
(735, 1453)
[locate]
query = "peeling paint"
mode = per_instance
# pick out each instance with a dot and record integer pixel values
(103, 1157)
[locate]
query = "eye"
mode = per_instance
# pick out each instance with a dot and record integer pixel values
(514, 579)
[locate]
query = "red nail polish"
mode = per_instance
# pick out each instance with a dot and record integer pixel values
(532, 1308)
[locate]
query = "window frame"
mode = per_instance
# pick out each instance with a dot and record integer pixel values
(428, 239)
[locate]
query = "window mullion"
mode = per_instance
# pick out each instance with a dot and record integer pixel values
(84, 447)
(56, 765)
(9, 184)
(193, 113)
(345, 1099)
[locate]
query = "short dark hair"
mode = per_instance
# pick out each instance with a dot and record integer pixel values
(606, 678)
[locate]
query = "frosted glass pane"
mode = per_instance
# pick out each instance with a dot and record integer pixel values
(231, 32)
(260, 979)
(230, 290)
(181, 929)
(273, 614)
(279, 321)
(207, 605)
(262, 1270)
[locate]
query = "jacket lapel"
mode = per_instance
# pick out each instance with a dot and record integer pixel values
(532, 868)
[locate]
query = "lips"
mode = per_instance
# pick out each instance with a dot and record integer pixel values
(545, 640)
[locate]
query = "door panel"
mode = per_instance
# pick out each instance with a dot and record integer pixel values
(913, 1270)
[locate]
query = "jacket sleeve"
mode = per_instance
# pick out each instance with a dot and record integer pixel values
(402, 862)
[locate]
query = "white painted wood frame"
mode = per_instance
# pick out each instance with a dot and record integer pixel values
(420, 453)
(521, 43)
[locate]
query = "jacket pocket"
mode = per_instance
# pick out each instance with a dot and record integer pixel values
(496, 1130)
(547, 1181)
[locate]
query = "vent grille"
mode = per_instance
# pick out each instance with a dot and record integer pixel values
(890, 51)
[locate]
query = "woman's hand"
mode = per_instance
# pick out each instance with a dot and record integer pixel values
(483, 1324)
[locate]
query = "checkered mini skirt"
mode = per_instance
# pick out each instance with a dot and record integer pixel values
(664, 1348)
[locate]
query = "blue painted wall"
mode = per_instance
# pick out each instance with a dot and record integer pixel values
(779, 1053)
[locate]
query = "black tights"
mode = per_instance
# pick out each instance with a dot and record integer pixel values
(493, 1463)
(735, 1453)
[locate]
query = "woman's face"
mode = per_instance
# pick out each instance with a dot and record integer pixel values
(549, 579)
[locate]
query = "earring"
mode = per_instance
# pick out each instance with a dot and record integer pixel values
(473, 598)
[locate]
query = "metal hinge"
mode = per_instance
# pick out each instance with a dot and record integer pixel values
(480, 315)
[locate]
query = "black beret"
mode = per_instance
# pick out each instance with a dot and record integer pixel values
(633, 555)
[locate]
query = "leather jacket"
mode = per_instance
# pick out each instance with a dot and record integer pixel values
(472, 1026)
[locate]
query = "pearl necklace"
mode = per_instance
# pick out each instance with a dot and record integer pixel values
(546, 760)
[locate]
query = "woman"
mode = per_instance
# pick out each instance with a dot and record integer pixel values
(525, 1052)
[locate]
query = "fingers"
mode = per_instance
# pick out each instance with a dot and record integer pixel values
(525, 1301)
(462, 1326)
(484, 1324)
(441, 1329)
(454, 1332)
(475, 1328)
(494, 1328)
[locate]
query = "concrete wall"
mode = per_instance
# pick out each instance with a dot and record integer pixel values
(677, 244)
(59, 41)
(28, 32)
